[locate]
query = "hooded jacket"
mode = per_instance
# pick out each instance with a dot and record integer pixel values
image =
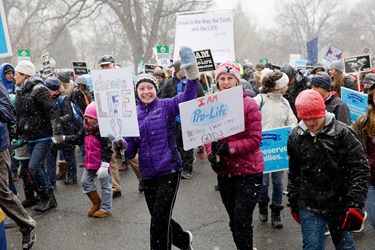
(7, 117)
(37, 114)
(327, 171)
(158, 154)
(9, 85)
(245, 155)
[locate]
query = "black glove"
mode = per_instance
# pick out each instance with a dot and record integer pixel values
(217, 166)
(352, 219)
(220, 148)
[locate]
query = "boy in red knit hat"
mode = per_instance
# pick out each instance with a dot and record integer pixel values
(328, 174)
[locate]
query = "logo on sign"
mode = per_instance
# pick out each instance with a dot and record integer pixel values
(209, 114)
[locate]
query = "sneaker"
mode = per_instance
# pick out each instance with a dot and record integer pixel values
(185, 175)
(190, 240)
(363, 224)
(28, 237)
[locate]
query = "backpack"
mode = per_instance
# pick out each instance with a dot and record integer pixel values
(77, 122)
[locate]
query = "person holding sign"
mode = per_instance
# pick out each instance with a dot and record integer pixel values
(239, 163)
(159, 160)
(365, 128)
(276, 112)
(328, 175)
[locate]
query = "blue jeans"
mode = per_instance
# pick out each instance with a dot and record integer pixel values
(3, 239)
(38, 154)
(70, 158)
(370, 204)
(88, 185)
(313, 227)
(277, 188)
(239, 195)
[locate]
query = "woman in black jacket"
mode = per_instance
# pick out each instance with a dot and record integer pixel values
(37, 121)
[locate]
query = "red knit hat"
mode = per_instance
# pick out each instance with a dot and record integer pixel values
(310, 104)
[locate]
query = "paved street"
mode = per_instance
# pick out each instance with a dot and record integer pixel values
(198, 208)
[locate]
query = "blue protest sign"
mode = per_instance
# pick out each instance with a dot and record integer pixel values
(5, 48)
(356, 102)
(274, 149)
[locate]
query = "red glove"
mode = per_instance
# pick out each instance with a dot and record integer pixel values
(295, 215)
(352, 219)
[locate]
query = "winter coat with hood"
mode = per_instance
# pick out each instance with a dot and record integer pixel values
(9, 85)
(81, 97)
(7, 117)
(37, 114)
(245, 156)
(328, 170)
(158, 154)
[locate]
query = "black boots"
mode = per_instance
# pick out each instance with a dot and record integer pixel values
(275, 216)
(47, 201)
(30, 198)
(263, 211)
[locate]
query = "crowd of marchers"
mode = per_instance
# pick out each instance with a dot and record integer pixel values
(331, 175)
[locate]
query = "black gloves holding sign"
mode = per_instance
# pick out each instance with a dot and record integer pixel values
(217, 162)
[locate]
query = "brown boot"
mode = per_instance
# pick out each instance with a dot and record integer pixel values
(63, 168)
(101, 214)
(95, 199)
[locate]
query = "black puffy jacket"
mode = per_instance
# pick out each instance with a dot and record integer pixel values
(37, 115)
(328, 171)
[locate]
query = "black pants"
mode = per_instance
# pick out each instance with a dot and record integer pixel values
(239, 195)
(187, 156)
(160, 194)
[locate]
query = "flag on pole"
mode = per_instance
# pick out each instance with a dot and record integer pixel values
(312, 50)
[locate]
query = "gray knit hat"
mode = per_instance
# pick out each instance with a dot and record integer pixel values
(337, 65)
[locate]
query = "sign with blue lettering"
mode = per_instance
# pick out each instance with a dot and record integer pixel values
(212, 117)
(274, 149)
(5, 48)
(356, 102)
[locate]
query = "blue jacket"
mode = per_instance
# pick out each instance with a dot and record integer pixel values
(7, 117)
(158, 153)
(9, 85)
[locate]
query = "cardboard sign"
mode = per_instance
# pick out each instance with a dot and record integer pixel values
(206, 29)
(5, 48)
(356, 102)
(360, 63)
(115, 102)
(333, 53)
(204, 60)
(212, 117)
(80, 68)
(46, 64)
(274, 149)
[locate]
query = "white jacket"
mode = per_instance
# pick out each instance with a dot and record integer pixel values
(276, 111)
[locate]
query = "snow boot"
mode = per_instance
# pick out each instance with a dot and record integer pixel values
(63, 169)
(46, 202)
(101, 214)
(263, 211)
(30, 198)
(95, 199)
(275, 216)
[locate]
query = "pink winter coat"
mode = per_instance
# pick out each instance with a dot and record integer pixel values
(245, 156)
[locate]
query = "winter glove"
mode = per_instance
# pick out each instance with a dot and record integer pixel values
(189, 63)
(217, 166)
(352, 219)
(295, 215)
(220, 148)
(18, 143)
(57, 139)
(103, 170)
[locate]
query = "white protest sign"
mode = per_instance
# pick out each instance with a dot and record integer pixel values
(115, 102)
(212, 117)
(206, 30)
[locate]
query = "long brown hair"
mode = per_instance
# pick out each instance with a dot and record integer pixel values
(338, 81)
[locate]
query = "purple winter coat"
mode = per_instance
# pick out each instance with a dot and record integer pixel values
(158, 154)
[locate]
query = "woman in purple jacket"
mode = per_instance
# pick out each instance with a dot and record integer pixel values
(240, 163)
(159, 160)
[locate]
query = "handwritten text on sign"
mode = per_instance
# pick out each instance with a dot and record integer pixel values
(115, 102)
(212, 117)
